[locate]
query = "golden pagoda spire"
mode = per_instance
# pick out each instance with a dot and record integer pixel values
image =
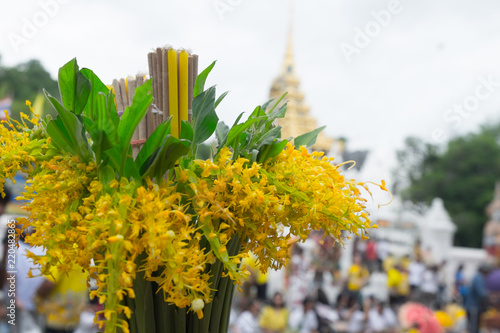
(298, 119)
(288, 64)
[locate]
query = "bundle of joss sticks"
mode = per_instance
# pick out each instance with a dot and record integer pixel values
(174, 73)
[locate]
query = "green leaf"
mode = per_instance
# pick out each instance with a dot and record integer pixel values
(221, 133)
(60, 137)
(266, 104)
(144, 300)
(204, 117)
(73, 129)
(277, 102)
(257, 112)
(67, 83)
(203, 152)
(87, 123)
(186, 131)
(96, 87)
(221, 97)
(238, 119)
(113, 157)
(107, 174)
(82, 93)
(308, 139)
(113, 114)
(255, 154)
(165, 157)
(104, 130)
(153, 143)
(269, 137)
(222, 143)
(279, 113)
(130, 170)
(199, 84)
(273, 151)
(164, 314)
(235, 131)
(74, 87)
(134, 113)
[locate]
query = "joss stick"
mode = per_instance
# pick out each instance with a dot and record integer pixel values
(195, 74)
(164, 67)
(123, 93)
(118, 96)
(156, 88)
(159, 91)
(149, 114)
(190, 87)
(195, 68)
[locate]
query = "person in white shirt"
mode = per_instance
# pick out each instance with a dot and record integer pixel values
(304, 319)
(381, 319)
(415, 274)
(429, 286)
(248, 321)
(357, 317)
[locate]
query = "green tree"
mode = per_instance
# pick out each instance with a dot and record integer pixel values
(24, 82)
(463, 174)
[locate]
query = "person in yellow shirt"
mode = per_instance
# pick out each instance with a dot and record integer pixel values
(458, 315)
(405, 262)
(399, 288)
(403, 287)
(444, 319)
(62, 298)
(357, 276)
(274, 317)
(394, 279)
(389, 263)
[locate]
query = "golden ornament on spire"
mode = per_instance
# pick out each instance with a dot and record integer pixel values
(298, 119)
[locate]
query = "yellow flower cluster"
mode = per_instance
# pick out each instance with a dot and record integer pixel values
(271, 206)
(123, 229)
(20, 147)
(173, 232)
(322, 198)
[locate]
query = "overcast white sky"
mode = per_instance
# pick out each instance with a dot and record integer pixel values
(430, 56)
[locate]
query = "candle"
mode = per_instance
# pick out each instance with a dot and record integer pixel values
(173, 93)
(183, 86)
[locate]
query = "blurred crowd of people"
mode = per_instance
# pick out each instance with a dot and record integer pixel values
(378, 293)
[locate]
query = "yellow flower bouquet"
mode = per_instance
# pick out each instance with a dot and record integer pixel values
(164, 234)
